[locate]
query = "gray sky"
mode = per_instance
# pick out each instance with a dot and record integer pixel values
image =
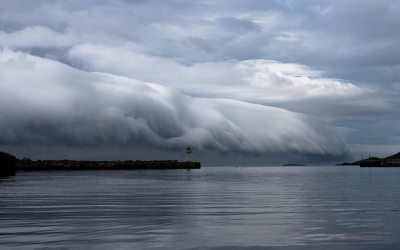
(258, 82)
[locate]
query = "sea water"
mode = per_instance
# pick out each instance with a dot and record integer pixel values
(211, 208)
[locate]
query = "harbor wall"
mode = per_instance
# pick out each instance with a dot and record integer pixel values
(7, 164)
(379, 163)
(29, 165)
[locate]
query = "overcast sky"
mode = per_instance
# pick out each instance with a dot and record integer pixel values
(257, 82)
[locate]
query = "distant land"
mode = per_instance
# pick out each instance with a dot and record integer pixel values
(390, 161)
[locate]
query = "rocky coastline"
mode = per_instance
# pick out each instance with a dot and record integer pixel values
(390, 161)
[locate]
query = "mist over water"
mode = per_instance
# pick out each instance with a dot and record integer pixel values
(211, 208)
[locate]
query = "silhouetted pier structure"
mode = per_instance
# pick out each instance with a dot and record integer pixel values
(28, 165)
(7, 164)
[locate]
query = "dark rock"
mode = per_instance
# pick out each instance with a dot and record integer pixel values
(7, 164)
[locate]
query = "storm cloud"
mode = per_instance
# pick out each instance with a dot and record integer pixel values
(53, 104)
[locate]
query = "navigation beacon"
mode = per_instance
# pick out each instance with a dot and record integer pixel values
(188, 152)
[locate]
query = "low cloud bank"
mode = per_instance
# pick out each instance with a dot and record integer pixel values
(49, 104)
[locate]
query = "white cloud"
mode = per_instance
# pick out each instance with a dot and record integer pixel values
(53, 104)
(259, 81)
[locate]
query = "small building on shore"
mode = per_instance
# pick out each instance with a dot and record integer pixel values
(390, 161)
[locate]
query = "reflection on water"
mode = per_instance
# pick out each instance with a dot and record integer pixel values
(211, 208)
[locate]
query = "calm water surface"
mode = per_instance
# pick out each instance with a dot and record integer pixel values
(211, 208)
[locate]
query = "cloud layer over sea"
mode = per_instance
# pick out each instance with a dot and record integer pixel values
(50, 104)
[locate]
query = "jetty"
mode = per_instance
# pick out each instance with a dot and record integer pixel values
(7, 164)
(42, 165)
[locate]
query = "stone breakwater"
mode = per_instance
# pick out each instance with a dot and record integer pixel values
(28, 165)
(7, 164)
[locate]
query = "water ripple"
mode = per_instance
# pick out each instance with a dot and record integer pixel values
(211, 208)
